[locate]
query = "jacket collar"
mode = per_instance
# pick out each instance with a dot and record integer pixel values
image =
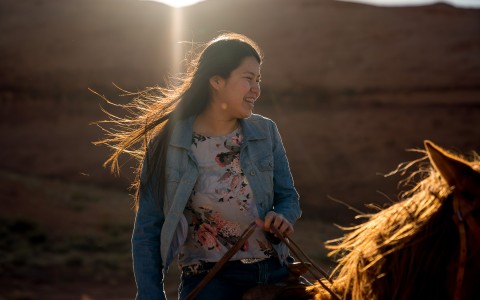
(251, 129)
(183, 131)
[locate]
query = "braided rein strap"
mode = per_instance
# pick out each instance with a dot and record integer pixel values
(292, 246)
(295, 249)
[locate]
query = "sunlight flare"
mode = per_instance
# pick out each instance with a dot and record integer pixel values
(178, 3)
(177, 22)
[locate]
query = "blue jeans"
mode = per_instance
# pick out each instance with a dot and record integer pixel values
(234, 279)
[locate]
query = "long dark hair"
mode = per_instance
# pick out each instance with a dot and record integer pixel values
(153, 113)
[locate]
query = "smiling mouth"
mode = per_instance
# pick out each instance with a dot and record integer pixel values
(250, 101)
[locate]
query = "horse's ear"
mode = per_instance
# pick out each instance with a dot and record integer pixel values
(456, 171)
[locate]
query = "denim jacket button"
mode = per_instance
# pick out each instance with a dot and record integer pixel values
(252, 173)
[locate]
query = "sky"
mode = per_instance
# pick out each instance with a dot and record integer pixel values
(458, 3)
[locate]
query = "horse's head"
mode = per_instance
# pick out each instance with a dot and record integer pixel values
(464, 179)
(426, 245)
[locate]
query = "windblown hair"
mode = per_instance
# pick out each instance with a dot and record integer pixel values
(145, 132)
(402, 252)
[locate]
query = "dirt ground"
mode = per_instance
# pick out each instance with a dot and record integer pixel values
(57, 200)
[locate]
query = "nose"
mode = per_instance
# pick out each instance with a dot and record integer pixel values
(255, 88)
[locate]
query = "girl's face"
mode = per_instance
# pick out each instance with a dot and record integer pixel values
(236, 95)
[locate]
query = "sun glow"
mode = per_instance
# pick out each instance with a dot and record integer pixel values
(176, 29)
(178, 3)
(177, 22)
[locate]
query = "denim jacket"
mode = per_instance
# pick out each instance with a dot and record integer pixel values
(160, 230)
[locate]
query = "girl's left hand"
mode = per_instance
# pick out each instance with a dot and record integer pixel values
(277, 220)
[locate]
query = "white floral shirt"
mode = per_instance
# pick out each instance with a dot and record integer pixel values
(221, 205)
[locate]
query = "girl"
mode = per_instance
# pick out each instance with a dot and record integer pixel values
(209, 167)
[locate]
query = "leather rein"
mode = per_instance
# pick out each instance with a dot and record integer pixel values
(226, 257)
(464, 220)
(294, 249)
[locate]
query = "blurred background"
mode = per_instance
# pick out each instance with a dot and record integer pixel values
(351, 86)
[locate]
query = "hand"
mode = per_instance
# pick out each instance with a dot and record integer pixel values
(276, 220)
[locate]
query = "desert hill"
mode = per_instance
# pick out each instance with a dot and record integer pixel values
(309, 45)
(335, 64)
(351, 86)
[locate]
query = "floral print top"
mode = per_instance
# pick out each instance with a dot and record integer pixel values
(221, 205)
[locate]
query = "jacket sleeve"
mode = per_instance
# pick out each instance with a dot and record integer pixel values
(285, 197)
(147, 262)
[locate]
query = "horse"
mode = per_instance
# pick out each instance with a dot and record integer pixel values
(424, 246)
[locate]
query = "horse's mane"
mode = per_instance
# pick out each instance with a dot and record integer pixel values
(403, 248)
